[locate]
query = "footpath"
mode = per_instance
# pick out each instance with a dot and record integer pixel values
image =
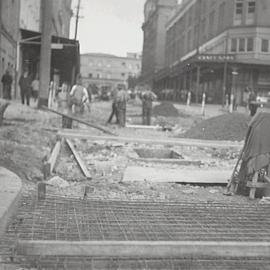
(10, 191)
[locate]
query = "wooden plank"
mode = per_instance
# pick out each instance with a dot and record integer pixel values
(53, 157)
(3, 108)
(157, 175)
(181, 162)
(143, 249)
(79, 160)
(150, 141)
(79, 120)
(253, 188)
(143, 127)
(250, 184)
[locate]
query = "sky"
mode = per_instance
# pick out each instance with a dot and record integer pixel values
(110, 26)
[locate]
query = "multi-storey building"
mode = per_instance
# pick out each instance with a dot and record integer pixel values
(218, 47)
(65, 52)
(156, 13)
(9, 32)
(105, 70)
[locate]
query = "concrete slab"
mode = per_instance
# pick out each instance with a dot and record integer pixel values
(10, 191)
(158, 175)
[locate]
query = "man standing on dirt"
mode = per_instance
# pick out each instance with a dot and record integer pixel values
(253, 106)
(121, 105)
(147, 102)
(25, 85)
(114, 107)
(6, 81)
(35, 88)
(78, 96)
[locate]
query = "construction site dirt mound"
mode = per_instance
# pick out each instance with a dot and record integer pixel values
(232, 127)
(165, 109)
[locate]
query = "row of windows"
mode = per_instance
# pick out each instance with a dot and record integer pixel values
(108, 65)
(239, 7)
(108, 75)
(247, 45)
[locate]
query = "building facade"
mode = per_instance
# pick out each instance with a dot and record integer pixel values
(217, 47)
(156, 14)
(65, 52)
(107, 71)
(9, 33)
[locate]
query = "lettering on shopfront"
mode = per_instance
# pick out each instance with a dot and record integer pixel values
(215, 57)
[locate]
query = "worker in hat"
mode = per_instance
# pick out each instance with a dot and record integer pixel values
(78, 97)
(121, 105)
(147, 98)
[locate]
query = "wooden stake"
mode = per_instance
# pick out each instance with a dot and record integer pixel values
(144, 249)
(79, 160)
(253, 189)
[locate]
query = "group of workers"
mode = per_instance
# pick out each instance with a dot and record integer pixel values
(119, 104)
(79, 97)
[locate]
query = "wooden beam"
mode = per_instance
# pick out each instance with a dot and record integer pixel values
(252, 190)
(143, 249)
(143, 127)
(79, 120)
(79, 134)
(257, 185)
(79, 160)
(3, 108)
(53, 157)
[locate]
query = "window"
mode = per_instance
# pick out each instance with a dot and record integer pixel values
(233, 45)
(242, 44)
(251, 7)
(123, 64)
(123, 74)
(90, 75)
(250, 44)
(190, 16)
(239, 7)
(211, 23)
(265, 45)
(221, 16)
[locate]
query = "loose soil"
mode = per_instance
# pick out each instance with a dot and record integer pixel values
(27, 137)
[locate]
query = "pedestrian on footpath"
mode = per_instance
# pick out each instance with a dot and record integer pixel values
(114, 107)
(25, 86)
(78, 97)
(253, 106)
(35, 88)
(147, 103)
(121, 105)
(7, 82)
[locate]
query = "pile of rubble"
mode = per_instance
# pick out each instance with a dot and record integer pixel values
(232, 127)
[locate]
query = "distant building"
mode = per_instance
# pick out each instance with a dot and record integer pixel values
(9, 32)
(218, 47)
(105, 70)
(156, 13)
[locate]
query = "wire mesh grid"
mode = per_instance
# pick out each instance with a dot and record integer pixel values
(61, 218)
(73, 219)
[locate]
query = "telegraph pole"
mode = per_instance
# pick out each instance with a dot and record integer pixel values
(45, 52)
(77, 18)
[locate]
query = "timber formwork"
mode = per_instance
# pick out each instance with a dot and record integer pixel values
(74, 219)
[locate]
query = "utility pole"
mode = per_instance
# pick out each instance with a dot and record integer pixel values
(77, 18)
(45, 52)
(198, 71)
